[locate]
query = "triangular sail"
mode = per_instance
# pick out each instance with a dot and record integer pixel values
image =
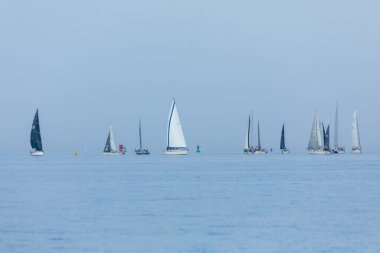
(282, 143)
(355, 133)
(247, 143)
(175, 136)
(35, 134)
(316, 135)
(110, 144)
(326, 134)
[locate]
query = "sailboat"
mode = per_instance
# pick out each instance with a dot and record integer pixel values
(258, 149)
(176, 144)
(35, 137)
(336, 148)
(141, 150)
(356, 147)
(316, 142)
(326, 138)
(248, 148)
(283, 148)
(110, 148)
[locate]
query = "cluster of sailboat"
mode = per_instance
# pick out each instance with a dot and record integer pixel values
(319, 142)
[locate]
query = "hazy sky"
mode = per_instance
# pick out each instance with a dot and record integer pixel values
(89, 64)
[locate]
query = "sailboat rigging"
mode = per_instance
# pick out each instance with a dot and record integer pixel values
(141, 150)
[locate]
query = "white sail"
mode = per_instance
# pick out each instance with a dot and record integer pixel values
(112, 141)
(355, 133)
(175, 137)
(316, 136)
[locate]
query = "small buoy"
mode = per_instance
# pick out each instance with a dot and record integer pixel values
(75, 153)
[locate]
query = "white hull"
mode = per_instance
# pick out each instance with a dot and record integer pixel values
(318, 152)
(259, 152)
(175, 152)
(110, 153)
(284, 152)
(356, 151)
(37, 153)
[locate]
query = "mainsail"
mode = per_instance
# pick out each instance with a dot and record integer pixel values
(35, 135)
(175, 137)
(355, 133)
(316, 135)
(326, 137)
(282, 143)
(248, 144)
(110, 144)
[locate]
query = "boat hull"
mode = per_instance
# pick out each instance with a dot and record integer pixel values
(175, 152)
(318, 152)
(142, 152)
(284, 152)
(37, 153)
(110, 153)
(259, 152)
(356, 151)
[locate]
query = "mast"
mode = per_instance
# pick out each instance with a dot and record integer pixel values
(282, 143)
(35, 134)
(258, 135)
(336, 127)
(140, 134)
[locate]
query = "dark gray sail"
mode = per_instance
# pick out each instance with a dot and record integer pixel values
(326, 137)
(107, 148)
(35, 135)
(282, 143)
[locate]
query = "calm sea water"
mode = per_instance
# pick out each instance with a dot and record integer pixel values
(195, 203)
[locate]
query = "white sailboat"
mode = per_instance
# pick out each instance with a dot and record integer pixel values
(258, 149)
(337, 149)
(316, 141)
(35, 137)
(110, 148)
(356, 147)
(176, 144)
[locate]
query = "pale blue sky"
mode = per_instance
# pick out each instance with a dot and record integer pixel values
(89, 64)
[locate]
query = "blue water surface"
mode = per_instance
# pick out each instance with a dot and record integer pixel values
(195, 203)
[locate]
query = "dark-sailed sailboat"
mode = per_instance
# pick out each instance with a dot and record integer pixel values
(110, 147)
(141, 150)
(326, 138)
(35, 137)
(248, 148)
(283, 148)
